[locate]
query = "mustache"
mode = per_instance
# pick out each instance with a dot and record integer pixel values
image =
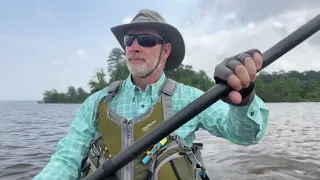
(135, 56)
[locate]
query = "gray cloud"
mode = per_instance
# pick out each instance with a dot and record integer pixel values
(222, 28)
(253, 10)
(231, 14)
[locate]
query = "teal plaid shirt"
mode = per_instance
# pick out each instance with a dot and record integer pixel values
(241, 125)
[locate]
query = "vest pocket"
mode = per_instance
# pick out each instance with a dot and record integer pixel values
(174, 167)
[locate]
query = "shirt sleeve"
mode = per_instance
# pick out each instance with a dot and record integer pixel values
(243, 125)
(65, 163)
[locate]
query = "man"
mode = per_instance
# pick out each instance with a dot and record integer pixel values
(115, 117)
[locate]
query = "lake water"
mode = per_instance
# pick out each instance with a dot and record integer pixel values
(289, 151)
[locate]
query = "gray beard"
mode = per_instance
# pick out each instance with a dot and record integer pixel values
(142, 70)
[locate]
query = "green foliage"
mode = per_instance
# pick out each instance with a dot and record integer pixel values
(98, 81)
(72, 96)
(186, 75)
(116, 57)
(117, 68)
(292, 86)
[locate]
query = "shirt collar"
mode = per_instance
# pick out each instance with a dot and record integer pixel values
(151, 90)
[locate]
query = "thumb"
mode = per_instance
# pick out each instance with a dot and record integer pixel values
(235, 97)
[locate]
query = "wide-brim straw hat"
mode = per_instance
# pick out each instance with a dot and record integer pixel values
(152, 19)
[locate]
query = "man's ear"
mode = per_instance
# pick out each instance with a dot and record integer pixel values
(167, 50)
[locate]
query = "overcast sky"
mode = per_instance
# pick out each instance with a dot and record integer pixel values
(54, 44)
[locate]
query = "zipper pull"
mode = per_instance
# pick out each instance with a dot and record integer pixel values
(128, 127)
(127, 124)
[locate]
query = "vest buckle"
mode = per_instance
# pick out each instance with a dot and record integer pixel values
(96, 150)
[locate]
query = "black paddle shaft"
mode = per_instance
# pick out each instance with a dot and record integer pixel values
(200, 104)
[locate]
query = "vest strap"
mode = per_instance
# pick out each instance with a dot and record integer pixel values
(166, 101)
(112, 90)
(169, 87)
(195, 156)
(166, 97)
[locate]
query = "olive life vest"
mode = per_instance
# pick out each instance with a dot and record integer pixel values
(173, 161)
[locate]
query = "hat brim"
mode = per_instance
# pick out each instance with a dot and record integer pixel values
(171, 33)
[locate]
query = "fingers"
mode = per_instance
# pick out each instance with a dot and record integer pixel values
(239, 71)
(256, 56)
(246, 72)
(251, 68)
(243, 75)
(234, 82)
(257, 60)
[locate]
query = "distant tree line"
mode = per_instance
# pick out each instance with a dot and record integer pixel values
(292, 86)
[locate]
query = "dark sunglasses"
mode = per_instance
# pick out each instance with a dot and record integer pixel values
(144, 40)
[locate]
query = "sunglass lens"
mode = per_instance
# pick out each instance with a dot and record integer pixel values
(147, 40)
(128, 40)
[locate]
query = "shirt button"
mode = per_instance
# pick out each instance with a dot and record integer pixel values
(252, 113)
(142, 105)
